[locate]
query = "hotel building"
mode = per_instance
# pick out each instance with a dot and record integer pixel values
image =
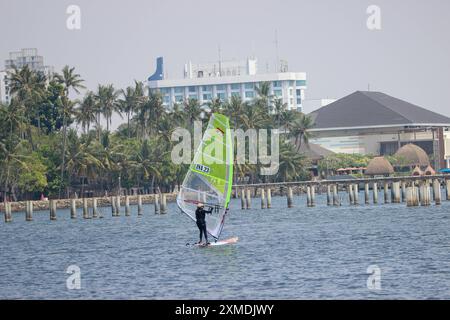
(225, 79)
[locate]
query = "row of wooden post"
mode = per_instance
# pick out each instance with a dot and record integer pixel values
(396, 192)
(160, 205)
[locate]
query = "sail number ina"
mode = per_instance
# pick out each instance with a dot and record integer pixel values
(202, 168)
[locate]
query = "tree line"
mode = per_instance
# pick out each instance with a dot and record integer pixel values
(54, 145)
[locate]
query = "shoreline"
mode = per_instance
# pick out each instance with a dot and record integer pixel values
(39, 205)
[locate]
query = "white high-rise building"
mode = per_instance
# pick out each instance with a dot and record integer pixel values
(25, 57)
(4, 97)
(222, 80)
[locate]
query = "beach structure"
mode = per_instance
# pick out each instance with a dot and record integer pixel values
(368, 122)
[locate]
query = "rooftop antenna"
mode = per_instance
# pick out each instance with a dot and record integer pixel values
(276, 48)
(220, 61)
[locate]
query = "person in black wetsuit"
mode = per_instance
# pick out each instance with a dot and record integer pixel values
(200, 215)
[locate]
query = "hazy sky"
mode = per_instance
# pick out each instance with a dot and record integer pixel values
(119, 41)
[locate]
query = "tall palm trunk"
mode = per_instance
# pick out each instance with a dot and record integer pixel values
(63, 153)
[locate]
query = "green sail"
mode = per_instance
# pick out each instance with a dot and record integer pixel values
(209, 179)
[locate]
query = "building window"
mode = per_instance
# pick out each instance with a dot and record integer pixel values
(192, 89)
(207, 96)
(178, 98)
(277, 84)
(220, 87)
(193, 96)
(164, 90)
(235, 94)
(166, 100)
(236, 86)
(278, 93)
(249, 86)
(179, 90)
(206, 88)
(249, 94)
(301, 83)
(221, 96)
(291, 91)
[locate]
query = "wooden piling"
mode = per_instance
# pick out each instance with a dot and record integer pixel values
(336, 201)
(313, 196)
(375, 192)
(52, 205)
(409, 197)
(447, 188)
(290, 203)
(386, 192)
(437, 191)
(329, 196)
(139, 205)
(156, 203)
(94, 208)
(8, 212)
(269, 198)
(85, 209)
(263, 199)
(163, 204)
(242, 199)
(113, 206)
(73, 209)
(403, 183)
(355, 194)
(425, 198)
(29, 211)
(350, 194)
(308, 196)
(366, 193)
(248, 199)
(127, 206)
(396, 192)
(118, 206)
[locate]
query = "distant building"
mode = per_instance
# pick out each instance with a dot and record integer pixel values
(222, 80)
(376, 123)
(4, 96)
(18, 59)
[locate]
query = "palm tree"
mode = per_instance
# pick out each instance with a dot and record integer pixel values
(128, 104)
(70, 81)
(156, 110)
(85, 113)
(27, 88)
(279, 107)
(234, 109)
(192, 110)
(215, 105)
(107, 99)
(291, 164)
(300, 130)
(263, 96)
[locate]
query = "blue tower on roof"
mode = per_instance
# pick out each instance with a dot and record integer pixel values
(159, 73)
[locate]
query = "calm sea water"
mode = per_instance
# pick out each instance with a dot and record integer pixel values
(300, 253)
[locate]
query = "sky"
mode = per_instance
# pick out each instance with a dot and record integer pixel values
(119, 41)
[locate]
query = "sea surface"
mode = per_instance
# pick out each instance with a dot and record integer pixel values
(359, 252)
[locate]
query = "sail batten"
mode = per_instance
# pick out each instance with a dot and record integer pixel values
(209, 178)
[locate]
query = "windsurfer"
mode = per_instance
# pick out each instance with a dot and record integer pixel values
(200, 215)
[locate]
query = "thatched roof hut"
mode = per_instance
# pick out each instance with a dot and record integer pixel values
(417, 171)
(413, 155)
(429, 171)
(379, 166)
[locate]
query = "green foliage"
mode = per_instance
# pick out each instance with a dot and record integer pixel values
(32, 176)
(41, 151)
(342, 160)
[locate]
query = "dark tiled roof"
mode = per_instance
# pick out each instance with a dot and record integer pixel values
(365, 109)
